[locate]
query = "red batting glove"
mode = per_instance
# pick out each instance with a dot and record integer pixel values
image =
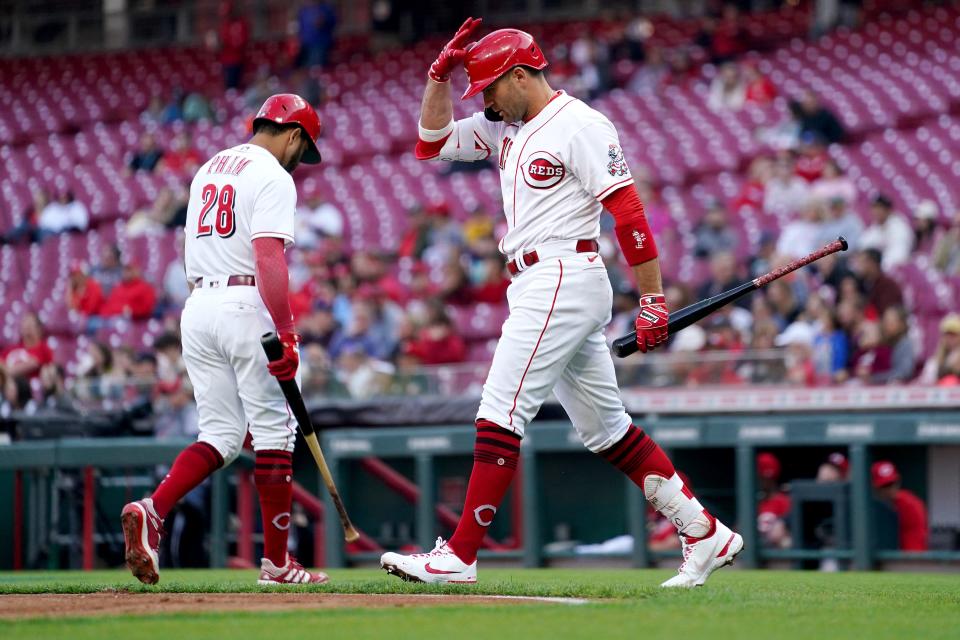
(453, 54)
(652, 321)
(286, 367)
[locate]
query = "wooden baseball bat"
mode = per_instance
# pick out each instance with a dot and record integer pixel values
(274, 350)
(626, 345)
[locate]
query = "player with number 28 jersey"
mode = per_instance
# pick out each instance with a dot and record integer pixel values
(239, 223)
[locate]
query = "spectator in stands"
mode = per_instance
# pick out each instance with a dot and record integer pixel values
(173, 109)
(181, 158)
(147, 157)
(946, 250)
(798, 339)
(727, 91)
(925, 218)
(84, 294)
(760, 90)
(362, 376)
(133, 297)
(316, 22)
(17, 396)
(833, 184)
(913, 533)
(783, 302)
(839, 220)
(318, 374)
(682, 70)
(437, 342)
(831, 345)
(881, 290)
(652, 74)
(722, 38)
(197, 108)
(28, 226)
(590, 56)
(723, 275)
(24, 359)
(836, 468)
(817, 120)
(752, 191)
(811, 160)
(66, 213)
(713, 233)
(903, 357)
(488, 281)
(774, 504)
(872, 359)
(801, 235)
(417, 237)
(950, 370)
(935, 368)
(308, 87)
(234, 40)
(97, 376)
(786, 193)
(356, 334)
(153, 114)
(53, 389)
(109, 271)
(455, 283)
(890, 233)
(317, 218)
(264, 85)
(168, 209)
(318, 326)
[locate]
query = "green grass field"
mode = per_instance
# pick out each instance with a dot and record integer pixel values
(735, 604)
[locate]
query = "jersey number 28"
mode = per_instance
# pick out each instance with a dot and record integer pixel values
(223, 200)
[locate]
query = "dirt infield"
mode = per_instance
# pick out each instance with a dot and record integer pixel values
(104, 604)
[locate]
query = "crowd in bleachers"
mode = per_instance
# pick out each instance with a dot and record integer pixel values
(744, 160)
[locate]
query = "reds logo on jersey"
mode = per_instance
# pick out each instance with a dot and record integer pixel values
(543, 170)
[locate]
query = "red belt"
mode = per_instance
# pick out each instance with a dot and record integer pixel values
(530, 259)
(232, 281)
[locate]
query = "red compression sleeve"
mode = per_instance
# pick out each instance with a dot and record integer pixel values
(633, 231)
(273, 281)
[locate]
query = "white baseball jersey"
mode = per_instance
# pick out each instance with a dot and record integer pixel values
(554, 170)
(240, 194)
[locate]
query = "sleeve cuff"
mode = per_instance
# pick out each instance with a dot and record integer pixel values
(434, 135)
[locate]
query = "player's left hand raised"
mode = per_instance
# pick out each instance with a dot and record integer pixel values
(652, 321)
(286, 367)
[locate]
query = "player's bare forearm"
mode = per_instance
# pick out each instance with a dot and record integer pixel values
(648, 278)
(436, 110)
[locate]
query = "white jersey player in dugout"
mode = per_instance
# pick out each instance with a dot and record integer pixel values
(239, 222)
(560, 165)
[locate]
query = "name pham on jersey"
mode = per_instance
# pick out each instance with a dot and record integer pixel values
(227, 164)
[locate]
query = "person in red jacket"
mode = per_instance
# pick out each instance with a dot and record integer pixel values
(27, 357)
(911, 512)
(774, 504)
(132, 297)
(437, 343)
(84, 294)
(234, 38)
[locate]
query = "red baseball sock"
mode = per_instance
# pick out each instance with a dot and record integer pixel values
(644, 462)
(191, 467)
(273, 475)
(495, 458)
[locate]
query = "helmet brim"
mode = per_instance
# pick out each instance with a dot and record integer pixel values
(477, 87)
(312, 154)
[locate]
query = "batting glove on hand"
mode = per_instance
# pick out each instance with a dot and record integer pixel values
(286, 367)
(652, 321)
(453, 54)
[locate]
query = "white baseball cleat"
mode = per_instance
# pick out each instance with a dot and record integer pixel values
(438, 566)
(703, 557)
(290, 574)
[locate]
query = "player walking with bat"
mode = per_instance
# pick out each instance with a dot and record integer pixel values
(239, 223)
(560, 164)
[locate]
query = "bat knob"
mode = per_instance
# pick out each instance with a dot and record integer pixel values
(843, 243)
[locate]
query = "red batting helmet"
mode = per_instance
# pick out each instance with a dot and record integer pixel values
(496, 53)
(289, 108)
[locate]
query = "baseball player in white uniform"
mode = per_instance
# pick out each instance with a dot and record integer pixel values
(239, 223)
(560, 165)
